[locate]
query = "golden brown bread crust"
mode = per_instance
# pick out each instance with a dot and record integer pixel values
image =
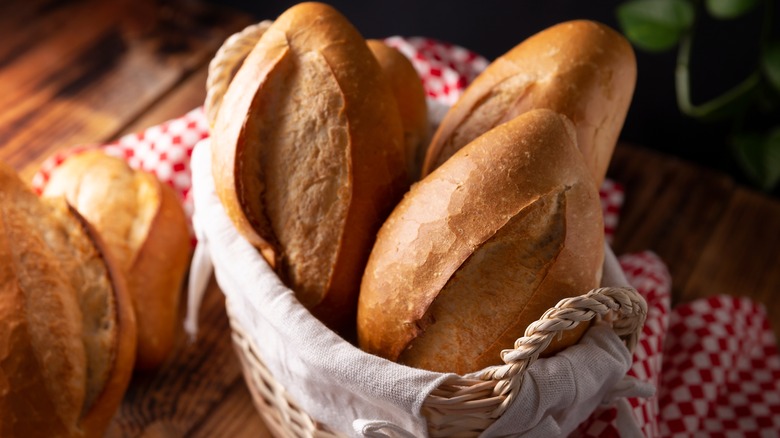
(482, 247)
(106, 401)
(38, 392)
(67, 329)
(409, 94)
(308, 143)
(144, 226)
(581, 69)
(156, 277)
(120, 202)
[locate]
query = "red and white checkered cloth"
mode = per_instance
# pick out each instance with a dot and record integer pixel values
(715, 361)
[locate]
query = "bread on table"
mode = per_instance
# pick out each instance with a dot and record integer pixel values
(144, 226)
(67, 328)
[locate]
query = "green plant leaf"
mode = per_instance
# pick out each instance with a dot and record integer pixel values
(770, 64)
(729, 9)
(655, 25)
(759, 156)
(726, 106)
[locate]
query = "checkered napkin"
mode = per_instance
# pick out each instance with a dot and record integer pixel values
(714, 362)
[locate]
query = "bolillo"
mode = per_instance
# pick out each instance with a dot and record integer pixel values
(67, 328)
(481, 247)
(582, 69)
(409, 94)
(144, 226)
(308, 156)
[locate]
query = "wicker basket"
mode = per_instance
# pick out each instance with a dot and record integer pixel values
(460, 406)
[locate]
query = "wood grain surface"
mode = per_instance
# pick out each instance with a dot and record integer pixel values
(88, 71)
(82, 72)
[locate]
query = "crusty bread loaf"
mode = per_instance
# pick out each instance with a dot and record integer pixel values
(409, 94)
(308, 155)
(483, 246)
(581, 69)
(67, 329)
(144, 225)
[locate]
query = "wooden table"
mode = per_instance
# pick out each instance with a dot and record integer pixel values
(88, 71)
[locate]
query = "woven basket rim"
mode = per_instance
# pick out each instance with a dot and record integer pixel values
(461, 404)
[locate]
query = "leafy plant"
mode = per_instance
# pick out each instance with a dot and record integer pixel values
(661, 25)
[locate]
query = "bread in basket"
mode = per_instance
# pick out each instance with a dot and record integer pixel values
(295, 366)
(308, 381)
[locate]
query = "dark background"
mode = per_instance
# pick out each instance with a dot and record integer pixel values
(724, 54)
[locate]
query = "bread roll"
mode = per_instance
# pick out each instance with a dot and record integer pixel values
(67, 329)
(481, 247)
(308, 155)
(144, 225)
(409, 94)
(581, 69)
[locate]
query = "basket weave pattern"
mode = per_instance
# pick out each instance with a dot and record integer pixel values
(280, 413)
(461, 406)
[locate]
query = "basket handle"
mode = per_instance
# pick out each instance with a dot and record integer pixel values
(623, 307)
(473, 403)
(226, 62)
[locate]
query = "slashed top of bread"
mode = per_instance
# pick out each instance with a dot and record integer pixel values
(65, 329)
(113, 197)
